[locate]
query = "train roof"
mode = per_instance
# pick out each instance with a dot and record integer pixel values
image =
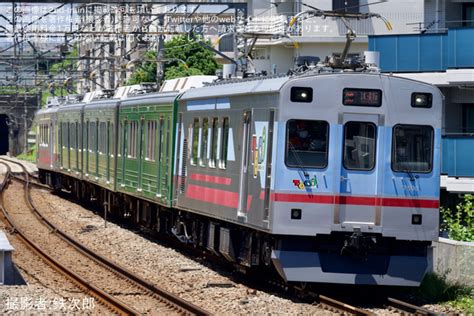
(267, 85)
(48, 110)
(150, 99)
(102, 103)
(257, 85)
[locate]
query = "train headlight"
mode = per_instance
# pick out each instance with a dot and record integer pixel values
(421, 100)
(301, 94)
(295, 213)
(416, 219)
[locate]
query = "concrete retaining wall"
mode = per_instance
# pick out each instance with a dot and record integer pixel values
(454, 259)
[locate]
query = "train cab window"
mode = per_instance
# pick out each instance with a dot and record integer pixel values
(214, 141)
(412, 148)
(195, 142)
(307, 143)
(359, 145)
(204, 142)
(224, 143)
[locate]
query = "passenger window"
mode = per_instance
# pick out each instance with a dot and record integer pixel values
(307, 143)
(132, 139)
(72, 134)
(150, 140)
(412, 148)
(214, 141)
(111, 139)
(204, 142)
(92, 137)
(225, 143)
(86, 137)
(359, 145)
(195, 142)
(102, 138)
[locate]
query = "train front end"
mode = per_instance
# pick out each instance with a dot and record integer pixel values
(355, 193)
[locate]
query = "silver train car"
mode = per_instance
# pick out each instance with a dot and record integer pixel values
(339, 172)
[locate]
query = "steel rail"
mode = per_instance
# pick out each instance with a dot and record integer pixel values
(407, 308)
(339, 306)
(105, 299)
(164, 296)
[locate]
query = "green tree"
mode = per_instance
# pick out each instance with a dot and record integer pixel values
(68, 64)
(146, 71)
(184, 57)
(199, 60)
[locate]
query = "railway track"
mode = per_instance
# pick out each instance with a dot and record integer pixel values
(325, 302)
(339, 307)
(405, 308)
(395, 305)
(138, 296)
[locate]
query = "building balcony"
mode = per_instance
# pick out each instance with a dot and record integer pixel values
(425, 52)
(457, 155)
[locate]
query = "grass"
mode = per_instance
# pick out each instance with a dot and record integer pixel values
(437, 289)
(28, 156)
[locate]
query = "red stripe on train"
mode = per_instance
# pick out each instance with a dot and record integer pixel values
(231, 199)
(211, 179)
(355, 200)
(213, 196)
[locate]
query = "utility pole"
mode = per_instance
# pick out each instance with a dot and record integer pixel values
(160, 43)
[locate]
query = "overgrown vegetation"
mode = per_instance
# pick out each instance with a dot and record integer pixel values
(184, 57)
(30, 155)
(437, 290)
(459, 223)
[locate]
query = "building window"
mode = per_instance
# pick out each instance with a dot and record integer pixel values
(359, 145)
(412, 148)
(349, 6)
(150, 140)
(468, 14)
(195, 142)
(214, 142)
(307, 143)
(204, 142)
(224, 143)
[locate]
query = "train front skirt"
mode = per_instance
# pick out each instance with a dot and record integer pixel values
(303, 266)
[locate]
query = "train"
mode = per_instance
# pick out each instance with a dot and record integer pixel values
(329, 176)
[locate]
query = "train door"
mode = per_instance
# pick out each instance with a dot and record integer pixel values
(51, 145)
(359, 183)
(68, 142)
(108, 150)
(243, 187)
(254, 186)
(141, 135)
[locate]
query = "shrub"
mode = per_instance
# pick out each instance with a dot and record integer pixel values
(459, 223)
